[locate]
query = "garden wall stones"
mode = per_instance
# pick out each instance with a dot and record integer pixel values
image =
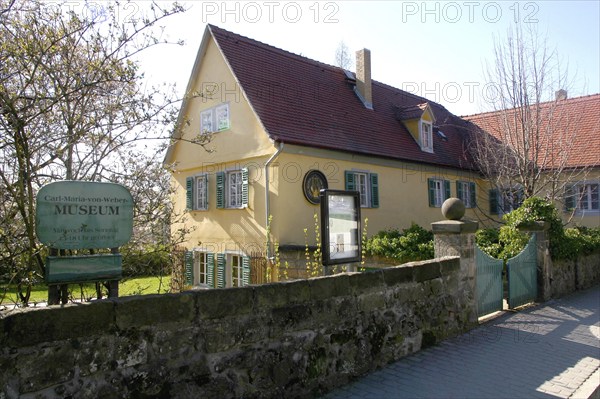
(292, 339)
(572, 275)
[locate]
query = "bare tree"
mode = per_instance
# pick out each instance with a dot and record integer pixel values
(73, 105)
(343, 57)
(528, 148)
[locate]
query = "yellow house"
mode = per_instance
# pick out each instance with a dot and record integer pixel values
(281, 128)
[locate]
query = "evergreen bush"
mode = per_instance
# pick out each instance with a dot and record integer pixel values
(411, 244)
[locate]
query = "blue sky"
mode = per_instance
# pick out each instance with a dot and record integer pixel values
(437, 49)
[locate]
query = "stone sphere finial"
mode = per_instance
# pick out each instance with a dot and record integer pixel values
(453, 209)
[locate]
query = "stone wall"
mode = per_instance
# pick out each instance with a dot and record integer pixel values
(291, 339)
(570, 276)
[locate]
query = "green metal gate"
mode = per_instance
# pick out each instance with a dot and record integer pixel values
(489, 293)
(522, 276)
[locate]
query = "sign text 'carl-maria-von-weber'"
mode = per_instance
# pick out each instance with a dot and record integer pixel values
(75, 214)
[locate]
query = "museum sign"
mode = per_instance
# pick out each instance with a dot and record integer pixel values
(78, 215)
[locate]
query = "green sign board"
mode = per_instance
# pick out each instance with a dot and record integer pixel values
(81, 215)
(70, 269)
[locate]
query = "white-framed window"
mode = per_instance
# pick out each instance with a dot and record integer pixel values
(465, 191)
(583, 197)
(438, 191)
(233, 270)
(215, 119)
(222, 117)
(207, 122)
(232, 189)
(505, 200)
(367, 185)
(588, 197)
(197, 192)
(363, 188)
(200, 268)
(201, 192)
(426, 135)
(236, 270)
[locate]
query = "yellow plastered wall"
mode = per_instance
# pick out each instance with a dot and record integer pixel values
(245, 138)
(225, 230)
(221, 230)
(412, 125)
(403, 194)
(577, 217)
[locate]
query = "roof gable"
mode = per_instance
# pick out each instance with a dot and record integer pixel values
(305, 102)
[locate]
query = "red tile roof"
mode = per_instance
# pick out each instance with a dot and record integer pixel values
(411, 112)
(305, 102)
(569, 128)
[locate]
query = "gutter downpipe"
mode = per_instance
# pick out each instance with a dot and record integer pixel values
(267, 190)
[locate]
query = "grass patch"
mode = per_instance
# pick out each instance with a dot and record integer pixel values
(85, 292)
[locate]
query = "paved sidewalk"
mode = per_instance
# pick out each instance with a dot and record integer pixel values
(547, 351)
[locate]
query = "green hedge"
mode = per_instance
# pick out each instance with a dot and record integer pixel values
(411, 244)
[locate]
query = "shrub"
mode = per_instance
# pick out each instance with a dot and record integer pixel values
(411, 244)
(489, 241)
(583, 240)
(564, 244)
(152, 260)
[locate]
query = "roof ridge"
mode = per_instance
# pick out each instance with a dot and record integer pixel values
(270, 47)
(570, 100)
(311, 61)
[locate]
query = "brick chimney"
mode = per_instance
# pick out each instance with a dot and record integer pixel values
(363, 77)
(561, 95)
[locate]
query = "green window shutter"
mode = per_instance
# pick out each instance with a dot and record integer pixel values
(188, 259)
(245, 187)
(210, 270)
(431, 189)
(569, 198)
(459, 191)
(447, 192)
(520, 198)
(374, 190)
(245, 270)
(220, 189)
(349, 180)
(494, 206)
(189, 193)
(220, 270)
(473, 195)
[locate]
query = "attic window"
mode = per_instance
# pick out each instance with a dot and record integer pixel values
(215, 119)
(442, 135)
(425, 134)
(349, 75)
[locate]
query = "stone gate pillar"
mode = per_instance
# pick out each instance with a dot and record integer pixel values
(456, 237)
(544, 261)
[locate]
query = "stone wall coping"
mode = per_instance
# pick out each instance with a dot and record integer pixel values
(454, 227)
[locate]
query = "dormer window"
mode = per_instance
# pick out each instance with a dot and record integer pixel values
(419, 120)
(426, 136)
